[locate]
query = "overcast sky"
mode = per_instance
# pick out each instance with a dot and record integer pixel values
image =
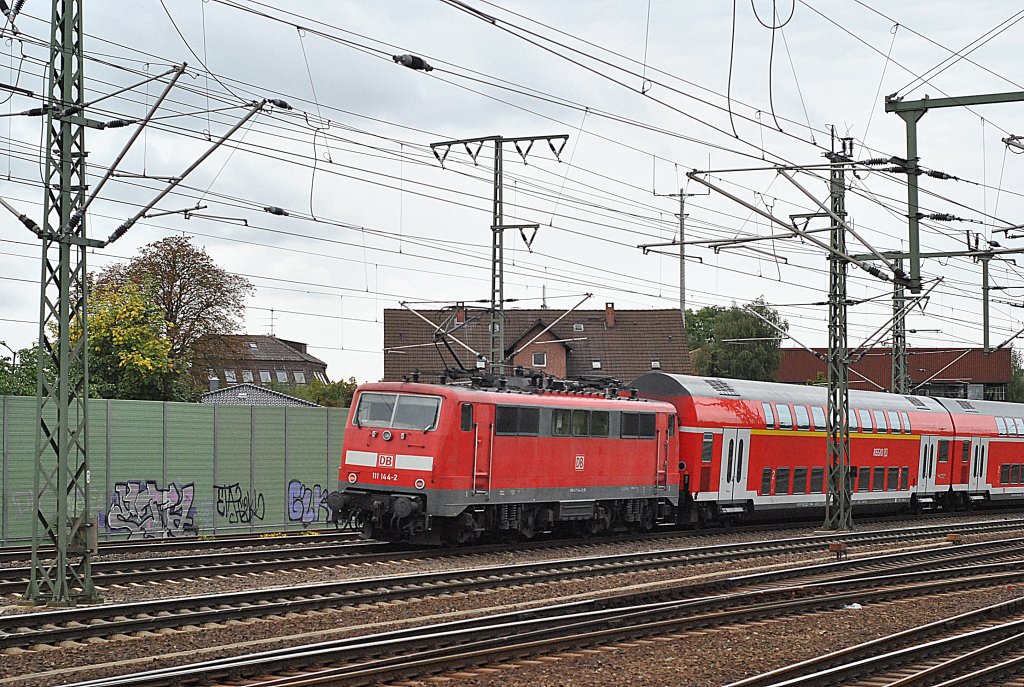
(641, 89)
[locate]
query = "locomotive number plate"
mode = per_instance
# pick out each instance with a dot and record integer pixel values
(386, 476)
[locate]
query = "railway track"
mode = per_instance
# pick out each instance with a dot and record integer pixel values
(13, 580)
(77, 624)
(489, 640)
(983, 647)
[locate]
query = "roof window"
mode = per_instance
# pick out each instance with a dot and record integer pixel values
(253, 345)
(578, 327)
(595, 364)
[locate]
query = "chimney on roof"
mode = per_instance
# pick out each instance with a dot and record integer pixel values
(609, 315)
(214, 383)
(460, 313)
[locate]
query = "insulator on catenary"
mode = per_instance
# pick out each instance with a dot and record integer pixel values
(274, 210)
(875, 161)
(278, 103)
(118, 123)
(412, 62)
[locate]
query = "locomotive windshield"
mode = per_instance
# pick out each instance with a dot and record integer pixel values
(398, 411)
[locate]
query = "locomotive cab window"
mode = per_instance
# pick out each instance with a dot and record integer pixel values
(803, 418)
(769, 416)
(785, 417)
(467, 417)
(397, 411)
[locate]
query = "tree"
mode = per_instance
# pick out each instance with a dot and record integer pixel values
(198, 299)
(332, 394)
(18, 373)
(700, 325)
(742, 346)
(1015, 390)
(129, 349)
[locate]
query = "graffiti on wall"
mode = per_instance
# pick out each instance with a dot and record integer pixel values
(142, 510)
(306, 504)
(239, 506)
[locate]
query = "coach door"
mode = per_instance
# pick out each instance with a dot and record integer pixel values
(926, 465)
(733, 467)
(979, 463)
(483, 448)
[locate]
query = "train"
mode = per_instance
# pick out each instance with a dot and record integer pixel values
(437, 463)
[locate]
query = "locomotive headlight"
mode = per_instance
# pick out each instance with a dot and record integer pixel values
(352, 477)
(386, 435)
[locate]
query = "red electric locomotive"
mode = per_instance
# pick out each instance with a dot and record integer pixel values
(451, 463)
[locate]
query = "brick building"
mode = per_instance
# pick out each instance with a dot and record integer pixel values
(259, 359)
(622, 344)
(949, 372)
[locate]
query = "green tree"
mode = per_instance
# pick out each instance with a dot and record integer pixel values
(700, 325)
(743, 346)
(332, 394)
(1015, 390)
(18, 373)
(198, 299)
(129, 348)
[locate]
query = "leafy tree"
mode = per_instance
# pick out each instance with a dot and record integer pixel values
(198, 299)
(1015, 392)
(18, 373)
(129, 349)
(700, 325)
(333, 394)
(742, 346)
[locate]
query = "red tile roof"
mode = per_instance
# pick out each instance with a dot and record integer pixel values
(937, 365)
(625, 349)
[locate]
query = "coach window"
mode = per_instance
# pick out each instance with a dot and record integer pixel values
(865, 421)
(894, 421)
(906, 421)
(1004, 473)
(893, 480)
(728, 464)
(1001, 426)
(599, 423)
(864, 479)
(707, 447)
(818, 480)
(803, 419)
(944, 450)
(1015, 473)
(799, 480)
(818, 415)
(560, 422)
(851, 417)
(878, 482)
(580, 423)
(766, 481)
(739, 463)
(769, 416)
(1020, 426)
(781, 481)
(904, 477)
(785, 418)
(965, 451)
(467, 417)
(880, 427)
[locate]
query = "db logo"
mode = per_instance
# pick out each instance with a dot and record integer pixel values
(384, 461)
(579, 462)
(352, 477)
(420, 484)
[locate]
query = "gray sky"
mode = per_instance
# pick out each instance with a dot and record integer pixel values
(641, 90)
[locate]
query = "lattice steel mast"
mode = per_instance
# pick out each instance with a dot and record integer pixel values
(61, 485)
(838, 511)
